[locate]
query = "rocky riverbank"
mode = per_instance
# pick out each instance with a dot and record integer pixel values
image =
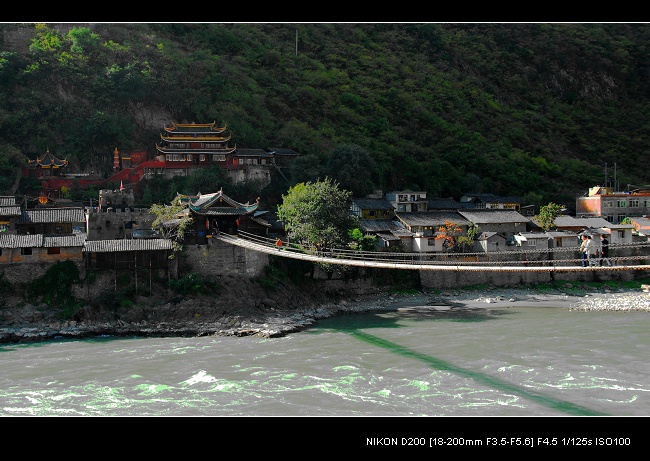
(281, 312)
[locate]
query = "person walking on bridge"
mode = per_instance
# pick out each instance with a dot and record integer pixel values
(604, 250)
(586, 249)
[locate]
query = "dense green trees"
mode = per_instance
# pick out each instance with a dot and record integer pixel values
(511, 109)
(318, 211)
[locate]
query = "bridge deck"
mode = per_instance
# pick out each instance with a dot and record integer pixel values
(373, 259)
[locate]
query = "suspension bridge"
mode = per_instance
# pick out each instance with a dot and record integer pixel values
(557, 259)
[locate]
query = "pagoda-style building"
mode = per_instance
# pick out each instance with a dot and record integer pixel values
(46, 165)
(217, 212)
(188, 145)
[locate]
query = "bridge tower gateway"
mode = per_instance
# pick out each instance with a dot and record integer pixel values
(218, 213)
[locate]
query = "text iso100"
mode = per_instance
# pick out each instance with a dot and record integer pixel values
(613, 441)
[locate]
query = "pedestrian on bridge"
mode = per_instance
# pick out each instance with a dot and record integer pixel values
(278, 243)
(588, 250)
(604, 250)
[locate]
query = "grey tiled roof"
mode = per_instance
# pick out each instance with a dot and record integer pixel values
(7, 200)
(432, 218)
(643, 223)
(389, 236)
(109, 246)
(493, 216)
(560, 234)
(75, 240)
(40, 240)
(571, 221)
(446, 204)
(10, 210)
(252, 153)
(21, 241)
(372, 203)
(487, 197)
(379, 225)
(53, 215)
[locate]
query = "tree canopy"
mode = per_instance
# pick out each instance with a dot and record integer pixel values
(547, 214)
(317, 211)
(172, 221)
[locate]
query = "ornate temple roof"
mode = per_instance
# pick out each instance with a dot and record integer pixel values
(47, 160)
(183, 137)
(194, 128)
(217, 204)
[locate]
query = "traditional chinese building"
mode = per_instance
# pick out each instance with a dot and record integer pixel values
(217, 212)
(187, 145)
(46, 165)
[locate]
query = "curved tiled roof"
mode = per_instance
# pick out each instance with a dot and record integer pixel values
(191, 128)
(204, 204)
(195, 138)
(47, 160)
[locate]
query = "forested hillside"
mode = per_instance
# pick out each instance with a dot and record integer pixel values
(541, 111)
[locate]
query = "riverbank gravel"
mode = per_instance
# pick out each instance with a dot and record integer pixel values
(628, 301)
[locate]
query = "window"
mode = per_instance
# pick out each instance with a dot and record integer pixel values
(493, 206)
(371, 213)
(532, 243)
(202, 157)
(608, 204)
(431, 242)
(168, 157)
(622, 203)
(621, 234)
(54, 251)
(25, 251)
(634, 203)
(559, 243)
